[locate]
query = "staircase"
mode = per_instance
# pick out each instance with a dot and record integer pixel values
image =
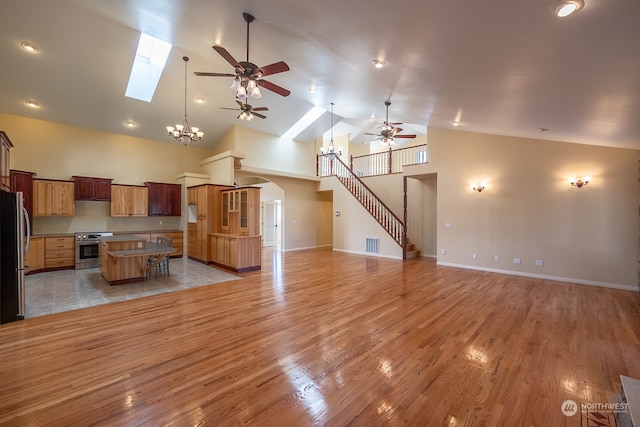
(328, 166)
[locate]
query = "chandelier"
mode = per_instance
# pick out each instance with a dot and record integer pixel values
(331, 150)
(184, 132)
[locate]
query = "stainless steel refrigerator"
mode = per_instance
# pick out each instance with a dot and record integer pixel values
(14, 243)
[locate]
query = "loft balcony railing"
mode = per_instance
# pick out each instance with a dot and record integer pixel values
(388, 162)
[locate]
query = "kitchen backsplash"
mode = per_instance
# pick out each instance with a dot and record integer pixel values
(96, 216)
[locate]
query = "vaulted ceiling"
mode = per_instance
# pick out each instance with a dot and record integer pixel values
(496, 66)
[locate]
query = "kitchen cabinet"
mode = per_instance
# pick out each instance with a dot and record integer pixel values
(238, 253)
(59, 252)
(129, 200)
(164, 199)
(241, 211)
(23, 181)
(204, 217)
(53, 198)
(92, 189)
(5, 168)
(34, 258)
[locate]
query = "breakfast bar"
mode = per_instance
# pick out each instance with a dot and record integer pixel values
(125, 258)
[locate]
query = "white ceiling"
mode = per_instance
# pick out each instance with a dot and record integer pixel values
(498, 66)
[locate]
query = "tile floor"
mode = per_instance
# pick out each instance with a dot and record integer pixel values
(57, 291)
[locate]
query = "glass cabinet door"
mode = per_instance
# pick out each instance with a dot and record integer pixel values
(243, 209)
(225, 209)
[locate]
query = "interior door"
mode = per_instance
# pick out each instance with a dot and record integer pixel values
(268, 223)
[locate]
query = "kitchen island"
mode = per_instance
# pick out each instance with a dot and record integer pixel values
(124, 258)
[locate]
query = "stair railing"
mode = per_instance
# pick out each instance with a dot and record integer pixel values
(328, 165)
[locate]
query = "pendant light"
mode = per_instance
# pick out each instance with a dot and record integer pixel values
(184, 132)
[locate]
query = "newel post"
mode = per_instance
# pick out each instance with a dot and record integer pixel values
(390, 159)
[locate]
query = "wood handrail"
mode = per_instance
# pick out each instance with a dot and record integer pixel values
(392, 224)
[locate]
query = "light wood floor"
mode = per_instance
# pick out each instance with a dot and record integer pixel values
(324, 338)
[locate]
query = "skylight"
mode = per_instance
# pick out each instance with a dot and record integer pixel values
(304, 122)
(147, 68)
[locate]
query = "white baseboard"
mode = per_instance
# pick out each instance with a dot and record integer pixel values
(543, 276)
(307, 247)
(367, 254)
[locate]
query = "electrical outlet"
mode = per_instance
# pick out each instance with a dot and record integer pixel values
(474, 256)
(516, 260)
(539, 263)
(443, 252)
(496, 258)
(447, 225)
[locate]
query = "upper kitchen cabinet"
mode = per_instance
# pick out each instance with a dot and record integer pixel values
(164, 199)
(129, 200)
(53, 198)
(22, 181)
(94, 189)
(5, 169)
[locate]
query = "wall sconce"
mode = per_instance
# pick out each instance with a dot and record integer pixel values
(580, 181)
(478, 187)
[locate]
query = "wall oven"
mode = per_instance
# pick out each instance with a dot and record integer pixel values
(87, 249)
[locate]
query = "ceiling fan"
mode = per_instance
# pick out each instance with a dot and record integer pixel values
(248, 111)
(388, 131)
(247, 79)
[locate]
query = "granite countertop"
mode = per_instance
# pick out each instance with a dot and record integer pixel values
(123, 238)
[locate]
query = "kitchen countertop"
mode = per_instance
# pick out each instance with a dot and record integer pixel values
(123, 238)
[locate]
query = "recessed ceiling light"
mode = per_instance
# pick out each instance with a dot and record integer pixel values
(378, 63)
(130, 124)
(200, 100)
(455, 123)
(567, 7)
(29, 47)
(31, 103)
(543, 130)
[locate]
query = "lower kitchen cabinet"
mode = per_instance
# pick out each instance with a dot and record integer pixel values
(59, 252)
(238, 253)
(34, 259)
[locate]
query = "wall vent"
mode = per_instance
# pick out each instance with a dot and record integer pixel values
(371, 244)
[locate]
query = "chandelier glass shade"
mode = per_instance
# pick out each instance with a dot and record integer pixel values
(246, 86)
(184, 132)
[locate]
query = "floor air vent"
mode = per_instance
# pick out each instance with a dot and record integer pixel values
(371, 244)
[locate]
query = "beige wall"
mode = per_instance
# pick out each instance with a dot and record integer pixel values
(529, 211)
(306, 212)
(266, 151)
(57, 151)
(354, 224)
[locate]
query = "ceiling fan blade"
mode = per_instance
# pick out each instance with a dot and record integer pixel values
(274, 87)
(198, 73)
(260, 109)
(368, 133)
(227, 56)
(395, 123)
(277, 67)
(240, 104)
(405, 136)
(258, 115)
(232, 109)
